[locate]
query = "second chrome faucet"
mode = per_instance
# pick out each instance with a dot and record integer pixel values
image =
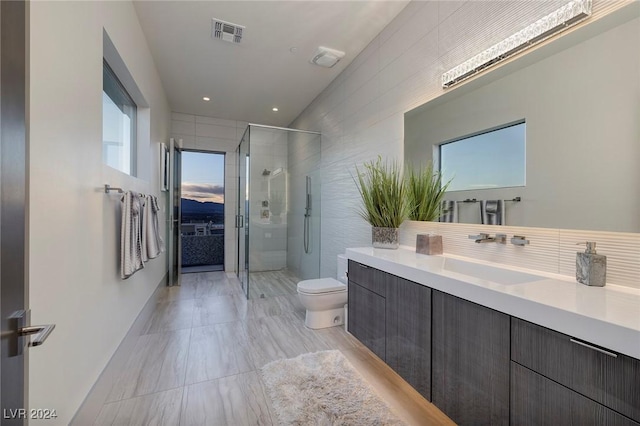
(485, 238)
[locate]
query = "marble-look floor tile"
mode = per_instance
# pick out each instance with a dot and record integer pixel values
(162, 408)
(178, 292)
(158, 362)
(273, 338)
(297, 308)
(176, 315)
(338, 338)
(224, 287)
(208, 365)
(258, 308)
(217, 351)
(233, 400)
(201, 283)
(272, 283)
(214, 310)
(311, 339)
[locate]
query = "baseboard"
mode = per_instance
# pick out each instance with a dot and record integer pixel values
(92, 404)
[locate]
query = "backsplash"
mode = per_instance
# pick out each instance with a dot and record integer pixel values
(549, 250)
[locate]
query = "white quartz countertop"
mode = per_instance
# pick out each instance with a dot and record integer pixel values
(606, 316)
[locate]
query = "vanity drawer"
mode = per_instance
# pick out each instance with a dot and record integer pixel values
(370, 278)
(537, 401)
(607, 377)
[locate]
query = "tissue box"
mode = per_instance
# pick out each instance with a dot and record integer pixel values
(429, 244)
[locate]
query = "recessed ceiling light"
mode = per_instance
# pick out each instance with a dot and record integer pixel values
(293, 50)
(274, 109)
(206, 99)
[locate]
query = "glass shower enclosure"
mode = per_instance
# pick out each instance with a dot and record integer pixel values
(278, 211)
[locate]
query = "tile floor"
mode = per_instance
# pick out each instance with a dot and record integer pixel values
(272, 283)
(198, 359)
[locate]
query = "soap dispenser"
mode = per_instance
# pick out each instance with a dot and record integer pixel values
(591, 268)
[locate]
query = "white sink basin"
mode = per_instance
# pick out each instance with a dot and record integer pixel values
(489, 273)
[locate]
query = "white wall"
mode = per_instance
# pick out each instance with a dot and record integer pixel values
(74, 247)
(215, 134)
(361, 113)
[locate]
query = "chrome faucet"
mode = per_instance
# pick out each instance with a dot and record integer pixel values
(485, 238)
(519, 240)
(480, 237)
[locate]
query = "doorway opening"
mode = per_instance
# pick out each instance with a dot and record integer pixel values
(202, 211)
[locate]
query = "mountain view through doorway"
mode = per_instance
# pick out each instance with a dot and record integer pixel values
(202, 203)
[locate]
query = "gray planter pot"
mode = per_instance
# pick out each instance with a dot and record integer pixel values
(386, 238)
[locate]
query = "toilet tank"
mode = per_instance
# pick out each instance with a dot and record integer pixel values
(342, 269)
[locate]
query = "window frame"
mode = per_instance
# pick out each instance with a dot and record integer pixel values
(133, 146)
(482, 132)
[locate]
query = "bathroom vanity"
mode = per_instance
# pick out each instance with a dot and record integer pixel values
(499, 345)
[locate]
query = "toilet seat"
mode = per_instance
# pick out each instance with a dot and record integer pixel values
(321, 286)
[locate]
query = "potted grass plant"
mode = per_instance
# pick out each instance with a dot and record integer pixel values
(384, 200)
(425, 193)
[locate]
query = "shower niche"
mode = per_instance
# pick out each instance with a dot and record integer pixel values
(278, 218)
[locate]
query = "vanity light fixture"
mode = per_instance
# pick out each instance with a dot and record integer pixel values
(555, 22)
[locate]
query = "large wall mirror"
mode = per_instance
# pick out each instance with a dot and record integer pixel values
(579, 102)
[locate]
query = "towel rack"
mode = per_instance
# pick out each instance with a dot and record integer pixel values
(473, 200)
(108, 188)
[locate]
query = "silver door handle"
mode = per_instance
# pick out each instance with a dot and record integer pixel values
(41, 333)
(586, 345)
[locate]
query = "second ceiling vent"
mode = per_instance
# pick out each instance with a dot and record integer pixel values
(226, 31)
(326, 57)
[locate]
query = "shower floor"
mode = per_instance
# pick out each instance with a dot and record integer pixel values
(272, 283)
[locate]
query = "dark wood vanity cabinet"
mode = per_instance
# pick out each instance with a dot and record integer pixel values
(408, 329)
(367, 311)
(604, 384)
(470, 376)
(392, 317)
(484, 367)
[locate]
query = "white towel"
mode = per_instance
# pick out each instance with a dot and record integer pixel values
(131, 235)
(152, 240)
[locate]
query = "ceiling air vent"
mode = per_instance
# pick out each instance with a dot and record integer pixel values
(226, 31)
(326, 57)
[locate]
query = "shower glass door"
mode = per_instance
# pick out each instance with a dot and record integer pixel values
(278, 216)
(242, 216)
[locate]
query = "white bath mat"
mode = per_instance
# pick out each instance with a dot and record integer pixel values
(323, 389)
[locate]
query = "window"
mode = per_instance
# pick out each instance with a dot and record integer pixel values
(490, 159)
(118, 124)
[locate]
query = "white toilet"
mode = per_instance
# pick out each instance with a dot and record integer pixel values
(324, 300)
